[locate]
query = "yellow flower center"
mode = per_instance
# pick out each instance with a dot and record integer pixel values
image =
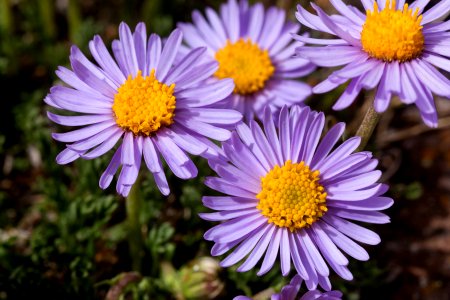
(143, 104)
(291, 196)
(393, 34)
(244, 62)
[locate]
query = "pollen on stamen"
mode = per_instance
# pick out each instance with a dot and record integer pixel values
(248, 65)
(392, 34)
(143, 104)
(291, 196)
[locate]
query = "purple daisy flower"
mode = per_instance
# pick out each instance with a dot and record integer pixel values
(155, 108)
(291, 290)
(290, 194)
(394, 47)
(254, 47)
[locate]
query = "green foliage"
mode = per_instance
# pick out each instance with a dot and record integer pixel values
(158, 243)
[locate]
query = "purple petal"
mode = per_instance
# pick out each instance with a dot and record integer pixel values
(331, 56)
(228, 203)
(90, 74)
(271, 253)
(205, 95)
(225, 187)
(140, 44)
(216, 24)
(335, 27)
(105, 146)
(231, 23)
(355, 195)
(217, 116)
(308, 19)
(352, 230)
(294, 249)
(308, 40)
(431, 78)
(205, 129)
(285, 252)
(349, 95)
(340, 153)
(304, 239)
(207, 33)
(440, 9)
(128, 149)
(258, 251)
(107, 176)
(326, 245)
(438, 61)
(154, 52)
(327, 143)
(363, 216)
(368, 4)
(67, 156)
(230, 233)
(272, 136)
(344, 165)
(376, 203)
(168, 54)
(83, 133)
(72, 79)
(347, 12)
(196, 75)
(235, 176)
(356, 182)
(246, 136)
(345, 243)
(256, 21)
(226, 215)
(263, 144)
(313, 137)
(273, 23)
(161, 182)
(151, 156)
(186, 64)
(245, 247)
(129, 52)
(95, 140)
(65, 94)
(77, 120)
(176, 159)
(185, 140)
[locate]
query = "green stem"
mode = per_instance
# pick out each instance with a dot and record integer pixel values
(133, 205)
(5, 17)
(74, 20)
(367, 127)
(47, 11)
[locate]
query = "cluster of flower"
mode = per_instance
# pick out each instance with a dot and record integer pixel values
(288, 193)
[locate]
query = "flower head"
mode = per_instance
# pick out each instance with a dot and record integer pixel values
(287, 192)
(291, 292)
(155, 107)
(254, 47)
(394, 47)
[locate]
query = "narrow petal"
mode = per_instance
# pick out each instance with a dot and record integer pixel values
(67, 156)
(352, 230)
(438, 10)
(114, 164)
(78, 120)
(271, 253)
(153, 52)
(83, 133)
(168, 53)
(258, 251)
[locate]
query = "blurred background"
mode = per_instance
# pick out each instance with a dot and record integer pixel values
(62, 237)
